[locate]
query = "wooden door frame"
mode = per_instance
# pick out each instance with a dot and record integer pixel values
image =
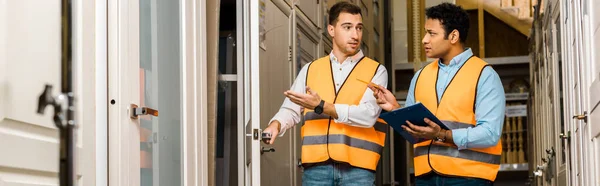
(558, 142)
(92, 28)
(195, 91)
(247, 43)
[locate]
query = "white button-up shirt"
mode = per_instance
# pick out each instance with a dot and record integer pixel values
(363, 115)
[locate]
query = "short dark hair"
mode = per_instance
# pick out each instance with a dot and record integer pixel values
(451, 17)
(340, 7)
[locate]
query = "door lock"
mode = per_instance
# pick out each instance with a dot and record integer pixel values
(256, 134)
(136, 111)
(581, 117)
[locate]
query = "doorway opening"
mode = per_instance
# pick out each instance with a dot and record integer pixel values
(226, 156)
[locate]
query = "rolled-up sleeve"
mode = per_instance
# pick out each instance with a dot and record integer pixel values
(289, 113)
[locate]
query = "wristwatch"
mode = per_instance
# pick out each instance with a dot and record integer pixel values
(319, 108)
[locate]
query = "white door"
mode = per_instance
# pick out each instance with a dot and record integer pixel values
(562, 147)
(579, 72)
(267, 72)
(593, 11)
(153, 136)
(30, 57)
(573, 100)
(248, 46)
(591, 80)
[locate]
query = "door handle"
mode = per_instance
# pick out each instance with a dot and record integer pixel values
(565, 136)
(263, 150)
(138, 111)
(581, 117)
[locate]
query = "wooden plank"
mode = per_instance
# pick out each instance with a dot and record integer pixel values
(524, 8)
(522, 25)
(467, 4)
(506, 3)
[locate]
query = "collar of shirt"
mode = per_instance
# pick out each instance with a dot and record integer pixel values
(458, 60)
(351, 59)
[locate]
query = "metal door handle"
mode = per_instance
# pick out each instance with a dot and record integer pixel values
(581, 116)
(538, 173)
(263, 150)
(138, 111)
(565, 136)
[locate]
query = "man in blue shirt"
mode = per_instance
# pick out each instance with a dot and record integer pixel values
(446, 30)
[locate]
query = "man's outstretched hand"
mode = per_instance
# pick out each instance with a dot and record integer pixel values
(385, 98)
(310, 100)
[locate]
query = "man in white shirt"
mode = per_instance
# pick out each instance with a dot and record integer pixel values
(342, 140)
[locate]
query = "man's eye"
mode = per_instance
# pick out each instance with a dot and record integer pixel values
(347, 27)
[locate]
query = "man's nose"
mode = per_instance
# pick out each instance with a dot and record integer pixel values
(354, 34)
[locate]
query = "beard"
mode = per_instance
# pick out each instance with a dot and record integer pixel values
(349, 50)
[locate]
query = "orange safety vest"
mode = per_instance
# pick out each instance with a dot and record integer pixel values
(322, 138)
(456, 109)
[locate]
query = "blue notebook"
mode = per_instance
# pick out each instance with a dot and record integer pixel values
(415, 114)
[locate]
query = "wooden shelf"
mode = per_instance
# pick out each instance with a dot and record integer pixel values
(511, 132)
(507, 60)
(490, 60)
(514, 167)
(517, 96)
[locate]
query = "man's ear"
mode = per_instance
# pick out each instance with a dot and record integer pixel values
(454, 36)
(330, 29)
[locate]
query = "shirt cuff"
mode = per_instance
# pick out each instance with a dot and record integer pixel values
(282, 126)
(342, 113)
(460, 137)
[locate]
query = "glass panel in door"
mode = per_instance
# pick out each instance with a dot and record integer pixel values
(160, 89)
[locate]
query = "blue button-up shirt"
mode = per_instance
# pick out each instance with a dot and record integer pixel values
(489, 105)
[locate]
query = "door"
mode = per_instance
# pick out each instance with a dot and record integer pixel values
(248, 19)
(578, 72)
(594, 66)
(268, 80)
(148, 89)
(562, 151)
(305, 41)
(573, 91)
(290, 41)
(591, 79)
(30, 58)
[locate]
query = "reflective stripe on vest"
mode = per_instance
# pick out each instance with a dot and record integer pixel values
(322, 137)
(456, 109)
